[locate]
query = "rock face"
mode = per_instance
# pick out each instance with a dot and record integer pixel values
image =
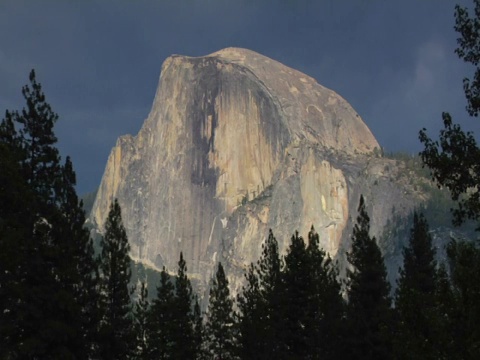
(237, 143)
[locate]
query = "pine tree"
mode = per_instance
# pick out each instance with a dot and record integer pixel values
(453, 159)
(296, 284)
(325, 308)
(250, 307)
(220, 325)
(368, 309)
(42, 161)
(464, 314)
(260, 306)
(160, 324)
(116, 338)
(15, 229)
(53, 284)
(311, 306)
(41, 322)
(415, 303)
(446, 314)
(198, 330)
(183, 337)
(78, 267)
(141, 315)
(173, 324)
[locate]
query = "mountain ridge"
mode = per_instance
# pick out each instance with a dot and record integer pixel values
(237, 143)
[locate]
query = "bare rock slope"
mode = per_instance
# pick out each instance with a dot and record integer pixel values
(237, 143)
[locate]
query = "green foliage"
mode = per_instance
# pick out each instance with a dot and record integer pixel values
(368, 309)
(415, 297)
(174, 322)
(15, 243)
(296, 285)
(116, 337)
(291, 311)
(325, 308)
(412, 162)
(462, 305)
(438, 204)
(445, 324)
(141, 314)
(198, 329)
(250, 305)
(453, 159)
(454, 162)
(469, 50)
(259, 305)
(56, 304)
(185, 347)
(41, 159)
(419, 265)
(48, 282)
(160, 327)
(220, 324)
(312, 306)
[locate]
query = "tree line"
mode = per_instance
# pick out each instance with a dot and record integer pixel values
(60, 300)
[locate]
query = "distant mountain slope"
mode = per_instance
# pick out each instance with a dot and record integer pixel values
(88, 200)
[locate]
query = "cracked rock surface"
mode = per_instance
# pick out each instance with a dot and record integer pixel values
(237, 143)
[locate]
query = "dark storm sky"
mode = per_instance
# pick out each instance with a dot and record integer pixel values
(99, 61)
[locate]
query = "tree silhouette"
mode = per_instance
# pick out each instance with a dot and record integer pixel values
(220, 324)
(116, 336)
(368, 309)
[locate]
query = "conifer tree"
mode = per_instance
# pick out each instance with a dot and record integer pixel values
(453, 159)
(141, 315)
(198, 330)
(220, 325)
(15, 230)
(41, 161)
(464, 264)
(415, 297)
(34, 160)
(116, 337)
(368, 309)
(311, 306)
(161, 330)
(250, 306)
(269, 275)
(76, 259)
(183, 340)
(54, 279)
(296, 285)
(260, 306)
(446, 314)
(325, 308)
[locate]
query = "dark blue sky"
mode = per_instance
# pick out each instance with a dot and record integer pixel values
(99, 61)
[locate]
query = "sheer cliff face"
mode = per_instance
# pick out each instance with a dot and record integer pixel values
(237, 143)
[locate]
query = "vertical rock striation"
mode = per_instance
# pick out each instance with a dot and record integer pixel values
(237, 143)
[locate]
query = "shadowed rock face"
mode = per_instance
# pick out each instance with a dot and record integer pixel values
(237, 143)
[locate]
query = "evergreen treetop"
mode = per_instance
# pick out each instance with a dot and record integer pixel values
(183, 310)
(368, 308)
(52, 271)
(161, 328)
(415, 297)
(116, 337)
(141, 315)
(220, 325)
(260, 305)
